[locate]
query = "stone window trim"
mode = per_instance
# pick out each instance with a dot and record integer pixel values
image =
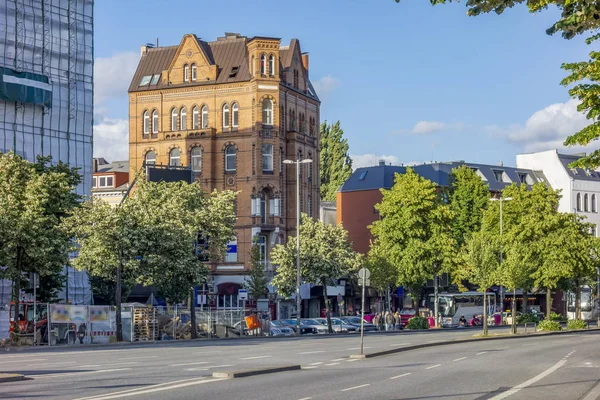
(155, 121)
(146, 123)
(231, 171)
(204, 110)
(191, 156)
(150, 150)
(225, 116)
(186, 73)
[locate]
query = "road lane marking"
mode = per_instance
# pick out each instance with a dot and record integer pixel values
(316, 363)
(593, 394)
(152, 389)
(352, 360)
(399, 344)
(330, 364)
(338, 359)
(305, 398)
(355, 387)
(51, 365)
(312, 352)
(137, 358)
(480, 353)
(125, 363)
(434, 366)
(101, 371)
(313, 367)
(357, 348)
(400, 376)
(207, 368)
(24, 361)
(432, 341)
(185, 364)
(530, 382)
(254, 357)
(458, 359)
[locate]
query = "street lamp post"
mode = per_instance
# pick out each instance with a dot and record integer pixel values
(513, 325)
(298, 163)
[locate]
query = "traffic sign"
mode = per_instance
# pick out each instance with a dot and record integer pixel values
(364, 273)
(242, 294)
(367, 282)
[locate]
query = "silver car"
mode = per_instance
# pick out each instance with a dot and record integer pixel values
(310, 322)
(338, 325)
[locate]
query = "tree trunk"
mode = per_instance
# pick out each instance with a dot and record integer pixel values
(194, 326)
(513, 328)
(327, 313)
(548, 303)
(525, 302)
(118, 291)
(485, 325)
(17, 291)
(577, 300)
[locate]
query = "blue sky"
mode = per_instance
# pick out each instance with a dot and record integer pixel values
(409, 82)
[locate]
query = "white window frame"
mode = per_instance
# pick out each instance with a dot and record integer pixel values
(225, 111)
(102, 181)
(267, 112)
(110, 181)
(174, 119)
(275, 207)
(195, 118)
(255, 207)
(229, 156)
(267, 157)
(186, 73)
(183, 119)
(194, 75)
(194, 157)
(235, 109)
(204, 117)
(155, 121)
(146, 118)
(271, 65)
(152, 161)
(94, 182)
(263, 64)
(172, 157)
(231, 257)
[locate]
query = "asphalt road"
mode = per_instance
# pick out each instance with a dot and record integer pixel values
(552, 367)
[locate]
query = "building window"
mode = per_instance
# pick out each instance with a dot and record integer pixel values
(102, 181)
(109, 181)
(309, 168)
(234, 115)
(226, 116)
(267, 158)
(578, 201)
(183, 118)
(105, 181)
(174, 117)
(263, 208)
(194, 72)
(262, 245)
(196, 156)
(186, 73)
(263, 61)
(296, 78)
(150, 158)
(231, 255)
(94, 182)
(498, 175)
(155, 80)
(175, 158)
(146, 123)
(195, 118)
(594, 208)
(230, 159)
(267, 118)
(585, 203)
(275, 207)
(522, 177)
(291, 120)
(204, 117)
(272, 65)
(155, 121)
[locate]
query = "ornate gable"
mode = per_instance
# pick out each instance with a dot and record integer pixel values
(191, 52)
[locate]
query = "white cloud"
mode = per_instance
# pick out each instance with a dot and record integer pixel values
(325, 85)
(546, 129)
(111, 139)
(369, 160)
(426, 127)
(112, 75)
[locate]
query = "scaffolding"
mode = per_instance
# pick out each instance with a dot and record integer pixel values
(46, 92)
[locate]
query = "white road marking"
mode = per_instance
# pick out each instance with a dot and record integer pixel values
(90, 366)
(316, 363)
(23, 361)
(254, 358)
(153, 389)
(126, 363)
(533, 380)
(312, 352)
(458, 359)
(43, 376)
(330, 364)
(357, 348)
(399, 344)
(139, 388)
(137, 358)
(480, 353)
(305, 398)
(434, 366)
(313, 367)
(432, 341)
(593, 394)
(339, 359)
(207, 368)
(185, 364)
(355, 387)
(352, 360)
(400, 376)
(52, 365)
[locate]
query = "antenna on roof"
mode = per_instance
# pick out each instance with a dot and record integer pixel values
(150, 45)
(156, 42)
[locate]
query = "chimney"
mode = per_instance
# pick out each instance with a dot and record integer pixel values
(501, 164)
(143, 50)
(382, 163)
(305, 61)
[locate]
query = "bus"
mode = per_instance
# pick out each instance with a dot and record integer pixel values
(589, 307)
(452, 305)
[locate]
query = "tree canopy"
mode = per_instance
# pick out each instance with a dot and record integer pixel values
(336, 164)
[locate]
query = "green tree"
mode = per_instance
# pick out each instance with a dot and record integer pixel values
(576, 17)
(414, 232)
(336, 164)
(325, 255)
(257, 284)
(32, 200)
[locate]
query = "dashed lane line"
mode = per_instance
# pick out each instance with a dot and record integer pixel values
(480, 353)
(355, 387)
(22, 361)
(357, 348)
(305, 398)
(458, 359)
(313, 367)
(330, 364)
(352, 360)
(312, 352)
(44, 376)
(400, 376)
(316, 363)
(137, 358)
(207, 368)
(186, 364)
(399, 344)
(254, 357)
(434, 366)
(339, 359)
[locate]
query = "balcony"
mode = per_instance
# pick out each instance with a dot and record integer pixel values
(268, 223)
(268, 132)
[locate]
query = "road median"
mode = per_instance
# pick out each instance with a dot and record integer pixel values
(255, 371)
(4, 378)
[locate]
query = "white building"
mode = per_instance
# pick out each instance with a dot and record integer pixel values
(580, 188)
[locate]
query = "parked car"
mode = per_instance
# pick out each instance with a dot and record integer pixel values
(309, 322)
(356, 322)
(281, 331)
(338, 325)
(304, 329)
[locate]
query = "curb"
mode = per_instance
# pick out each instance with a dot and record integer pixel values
(461, 341)
(253, 372)
(11, 378)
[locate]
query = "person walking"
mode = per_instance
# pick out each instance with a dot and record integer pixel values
(397, 320)
(389, 321)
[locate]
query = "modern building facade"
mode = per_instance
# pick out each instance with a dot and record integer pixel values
(46, 92)
(232, 110)
(110, 180)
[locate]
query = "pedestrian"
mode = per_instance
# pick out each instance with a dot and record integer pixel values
(397, 320)
(389, 321)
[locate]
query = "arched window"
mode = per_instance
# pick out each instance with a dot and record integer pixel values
(272, 65)
(195, 118)
(585, 203)
(263, 62)
(594, 207)
(267, 157)
(267, 118)
(150, 158)
(175, 158)
(234, 115)
(226, 116)
(155, 121)
(174, 117)
(146, 123)
(230, 158)
(194, 72)
(578, 201)
(186, 73)
(204, 117)
(183, 119)
(196, 157)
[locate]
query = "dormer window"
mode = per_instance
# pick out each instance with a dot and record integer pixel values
(145, 80)
(155, 80)
(234, 72)
(523, 177)
(498, 175)
(194, 72)
(186, 73)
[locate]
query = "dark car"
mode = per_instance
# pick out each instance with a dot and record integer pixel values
(304, 329)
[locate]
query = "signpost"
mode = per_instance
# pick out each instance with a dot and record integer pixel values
(363, 274)
(242, 295)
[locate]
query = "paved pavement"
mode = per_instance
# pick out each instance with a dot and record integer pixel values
(479, 370)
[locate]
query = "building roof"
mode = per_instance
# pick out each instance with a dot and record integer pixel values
(115, 166)
(578, 173)
(382, 176)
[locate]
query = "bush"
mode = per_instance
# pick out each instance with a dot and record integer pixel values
(556, 317)
(576, 324)
(528, 318)
(417, 323)
(549, 325)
